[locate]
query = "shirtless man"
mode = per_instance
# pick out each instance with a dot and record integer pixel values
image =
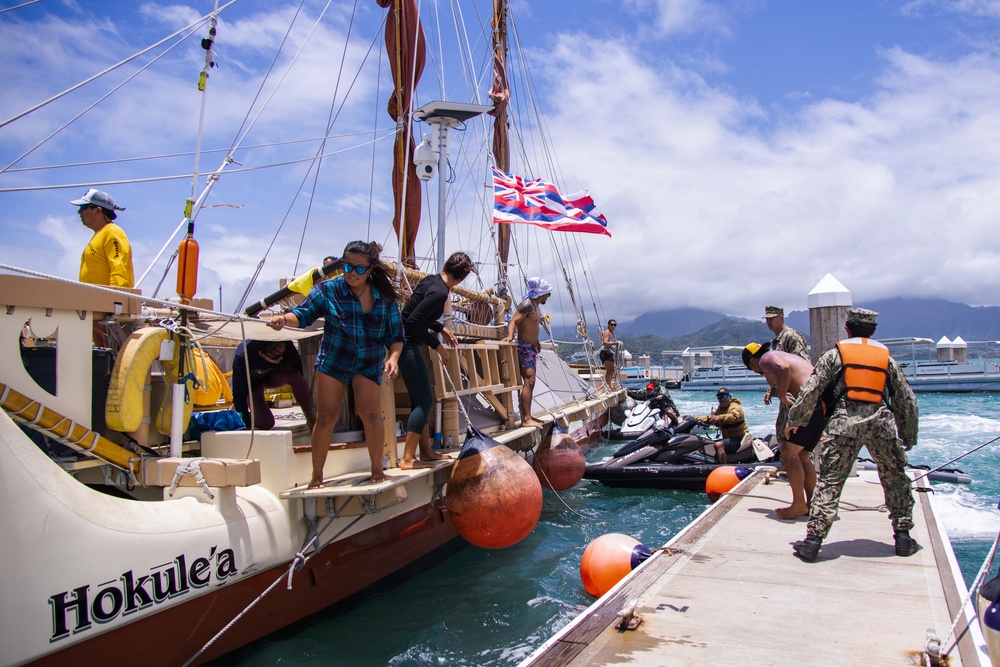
(787, 373)
(525, 324)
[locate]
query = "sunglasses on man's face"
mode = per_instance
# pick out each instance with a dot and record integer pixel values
(85, 207)
(722, 396)
(613, 324)
(360, 270)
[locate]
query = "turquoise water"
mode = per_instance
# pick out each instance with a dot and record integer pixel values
(495, 607)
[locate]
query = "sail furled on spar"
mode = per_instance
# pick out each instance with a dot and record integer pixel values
(539, 203)
(500, 95)
(405, 46)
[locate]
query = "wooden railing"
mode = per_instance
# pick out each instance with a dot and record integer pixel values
(489, 368)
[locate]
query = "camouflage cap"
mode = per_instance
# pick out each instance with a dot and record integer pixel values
(861, 316)
(773, 311)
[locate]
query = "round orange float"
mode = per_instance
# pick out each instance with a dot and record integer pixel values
(559, 463)
(721, 480)
(609, 558)
(494, 499)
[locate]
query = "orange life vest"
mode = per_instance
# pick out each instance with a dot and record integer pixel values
(866, 367)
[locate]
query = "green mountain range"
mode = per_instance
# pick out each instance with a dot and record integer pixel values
(655, 332)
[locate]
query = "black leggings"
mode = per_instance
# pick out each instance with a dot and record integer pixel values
(418, 383)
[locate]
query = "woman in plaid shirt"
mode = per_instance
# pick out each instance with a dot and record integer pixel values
(361, 321)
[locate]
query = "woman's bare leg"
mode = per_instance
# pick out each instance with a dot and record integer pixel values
(410, 460)
(427, 452)
(329, 396)
(366, 399)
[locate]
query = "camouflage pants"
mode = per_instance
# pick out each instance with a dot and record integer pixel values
(839, 454)
(781, 422)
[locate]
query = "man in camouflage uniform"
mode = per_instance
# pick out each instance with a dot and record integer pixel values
(855, 424)
(786, 339)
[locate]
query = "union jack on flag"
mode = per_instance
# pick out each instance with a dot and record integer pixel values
(539, 203)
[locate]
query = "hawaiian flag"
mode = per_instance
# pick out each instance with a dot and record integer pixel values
(539, 203)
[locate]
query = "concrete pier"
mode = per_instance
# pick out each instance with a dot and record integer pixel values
(728, 590)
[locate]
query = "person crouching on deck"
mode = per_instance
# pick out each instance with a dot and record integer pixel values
(525, 324)
(269, 365)
(361, 322)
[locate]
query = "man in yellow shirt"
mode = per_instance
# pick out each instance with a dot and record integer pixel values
(107, 259)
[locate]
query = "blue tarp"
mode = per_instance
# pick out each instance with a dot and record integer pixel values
(218, 420)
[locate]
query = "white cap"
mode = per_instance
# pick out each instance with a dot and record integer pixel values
(99, 198)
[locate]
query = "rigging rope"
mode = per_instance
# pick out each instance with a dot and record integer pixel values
(960, 456)
(72, 120)
(313, 162)
(174, 177)
(191, 26)
(330, 119)
(297, 564)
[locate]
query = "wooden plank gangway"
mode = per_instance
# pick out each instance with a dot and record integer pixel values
(727, 590)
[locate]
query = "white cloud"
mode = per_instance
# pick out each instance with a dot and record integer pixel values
(712, 202)
(894, 195)
(684, 16)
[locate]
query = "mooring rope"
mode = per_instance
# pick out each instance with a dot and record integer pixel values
(297, 564)
(960, 456)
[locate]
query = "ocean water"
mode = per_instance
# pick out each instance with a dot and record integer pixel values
(485, 607)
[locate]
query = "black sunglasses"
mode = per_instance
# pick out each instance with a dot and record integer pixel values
(87, 206)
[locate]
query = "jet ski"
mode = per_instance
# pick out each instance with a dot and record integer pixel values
(638, 420)
(681, 457)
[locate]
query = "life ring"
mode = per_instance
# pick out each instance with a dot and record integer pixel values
(124, 409)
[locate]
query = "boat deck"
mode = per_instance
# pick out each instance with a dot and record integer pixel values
(359, 483)
(728, 590)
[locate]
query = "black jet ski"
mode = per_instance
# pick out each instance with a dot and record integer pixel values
(681, 457)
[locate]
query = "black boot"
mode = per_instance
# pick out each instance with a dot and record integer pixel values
(808, 548)
(905, 545)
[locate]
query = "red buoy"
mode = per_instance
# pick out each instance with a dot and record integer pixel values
(609, 558)
(559, 462)
(493, 498)
(721, 480)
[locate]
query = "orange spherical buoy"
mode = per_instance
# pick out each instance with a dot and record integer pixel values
(609, 558)
(721, 480)
(493, 498)
(559, 462)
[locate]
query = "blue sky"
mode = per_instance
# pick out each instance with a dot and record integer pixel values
(740, 150)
